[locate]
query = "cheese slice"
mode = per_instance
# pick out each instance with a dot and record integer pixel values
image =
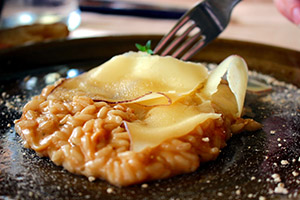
(237, 77)
(166, 122)
(137, 77)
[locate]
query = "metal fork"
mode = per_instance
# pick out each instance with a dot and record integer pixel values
(200, 25)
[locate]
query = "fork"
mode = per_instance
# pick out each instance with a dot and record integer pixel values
(200, 25)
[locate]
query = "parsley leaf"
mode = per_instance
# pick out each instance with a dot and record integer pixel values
(146, 48)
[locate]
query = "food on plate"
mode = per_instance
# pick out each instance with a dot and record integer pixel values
(138, 117)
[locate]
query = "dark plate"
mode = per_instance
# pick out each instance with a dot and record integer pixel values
(248, 168)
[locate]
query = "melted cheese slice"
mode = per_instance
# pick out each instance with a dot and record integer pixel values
(139, 78)
(137, 74)
(165, 122)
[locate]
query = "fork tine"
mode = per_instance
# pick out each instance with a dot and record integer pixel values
(210, 16)
(194, 49)
(171, 34)
(178, 39)
(187, 44)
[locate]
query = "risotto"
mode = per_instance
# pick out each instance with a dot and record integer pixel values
(132, 127)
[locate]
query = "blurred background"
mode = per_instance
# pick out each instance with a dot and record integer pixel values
(252, 20)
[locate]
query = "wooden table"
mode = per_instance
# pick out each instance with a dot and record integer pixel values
(252, 20)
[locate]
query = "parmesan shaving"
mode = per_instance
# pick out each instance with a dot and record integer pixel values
(135, 74)
(166, 122)
(237, 77)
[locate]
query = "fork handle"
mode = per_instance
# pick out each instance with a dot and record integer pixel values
(224, 4)
(222, 8)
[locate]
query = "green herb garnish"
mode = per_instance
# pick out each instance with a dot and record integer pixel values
(146, 48)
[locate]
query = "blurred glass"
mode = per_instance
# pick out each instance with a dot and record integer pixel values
(27, 12)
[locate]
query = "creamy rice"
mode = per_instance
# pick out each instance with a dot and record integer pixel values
(89, 138)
